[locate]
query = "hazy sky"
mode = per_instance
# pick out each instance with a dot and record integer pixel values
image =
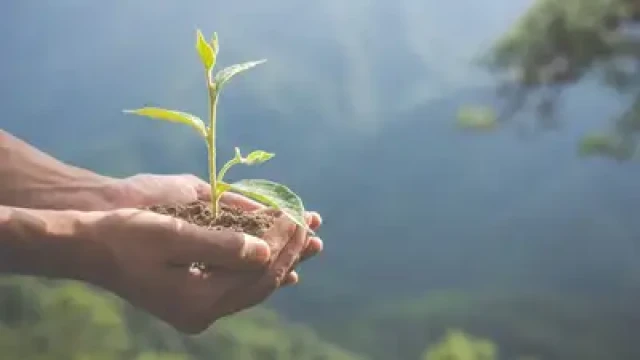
(351, 61)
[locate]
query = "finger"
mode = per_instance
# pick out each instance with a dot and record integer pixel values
(283, 264)
(291, 279)
(278, 234)
(274, 277)
(202, 188)
(188, 187)
(313, 220)
(314, 247)
(239, 201)
(219, 248)
(288, 256)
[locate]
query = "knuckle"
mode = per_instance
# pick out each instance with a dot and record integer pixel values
(238, 245)
(278, 275)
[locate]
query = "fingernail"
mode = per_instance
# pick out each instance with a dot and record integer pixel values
(319, 244)
(257, 249)
(318, 215)
(309, 218)
(291, 279)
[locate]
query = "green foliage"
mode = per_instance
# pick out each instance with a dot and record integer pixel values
(255, 335)
(44, 320)
(254, 158)
(558, 43)
(457, 345)
(605, 145)
(160, 356)
(272, 194)
(266, 192)
(173, 116)
(206, 51)
(477, 118)
(62, 322)
(224, 75)
(523, 325)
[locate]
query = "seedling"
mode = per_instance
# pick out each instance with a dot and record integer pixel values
(264, 191)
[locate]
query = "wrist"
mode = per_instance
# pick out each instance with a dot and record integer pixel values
(52, 244)
(30, 178)
(63, 191)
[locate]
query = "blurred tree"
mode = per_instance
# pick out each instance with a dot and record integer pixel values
(553, 46)
(539, 324)
(159, 356)
(260, 334)
(457, 345)
(66, 320)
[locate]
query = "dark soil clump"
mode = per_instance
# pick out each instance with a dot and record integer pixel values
(199, 213)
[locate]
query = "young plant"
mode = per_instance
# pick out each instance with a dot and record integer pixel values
(264, 191)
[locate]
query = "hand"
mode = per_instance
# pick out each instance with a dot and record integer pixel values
(149, 189)
(314, 245)
(149, 258)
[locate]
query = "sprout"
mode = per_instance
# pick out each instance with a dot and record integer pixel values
(264, 191)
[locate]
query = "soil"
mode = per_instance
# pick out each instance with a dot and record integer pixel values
(236, 219)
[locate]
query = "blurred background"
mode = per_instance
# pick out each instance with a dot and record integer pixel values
(474, 162)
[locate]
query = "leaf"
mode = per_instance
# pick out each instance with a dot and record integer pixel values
(608, 145)
(275, 195)
(254, 158)
(477, 118)
(257, 157)
(173, 116)
(215, 45)
(222, 187)
(227, 73)
(207, 55)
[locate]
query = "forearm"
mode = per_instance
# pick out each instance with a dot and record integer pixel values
(33, 179)
(46, 243)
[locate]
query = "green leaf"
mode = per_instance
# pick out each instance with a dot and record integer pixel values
(607, 145)
(173, 116)
(215, 45)
(207, 55)
(275, 195)
(254, 158)
(221, 187)
(257, 157)
(477, 118)
(227, 73)
(596, 143)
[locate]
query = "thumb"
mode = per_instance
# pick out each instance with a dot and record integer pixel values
(151, 189)
(220, 248)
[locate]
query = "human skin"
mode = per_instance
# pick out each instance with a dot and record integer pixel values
(61, 221)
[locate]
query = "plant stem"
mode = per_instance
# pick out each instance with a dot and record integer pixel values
(211, 144)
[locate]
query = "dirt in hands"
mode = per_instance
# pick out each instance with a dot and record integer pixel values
(199, 213)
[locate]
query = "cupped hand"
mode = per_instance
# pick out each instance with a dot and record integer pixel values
(151, 189)
(314, 244)
(149, 259)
